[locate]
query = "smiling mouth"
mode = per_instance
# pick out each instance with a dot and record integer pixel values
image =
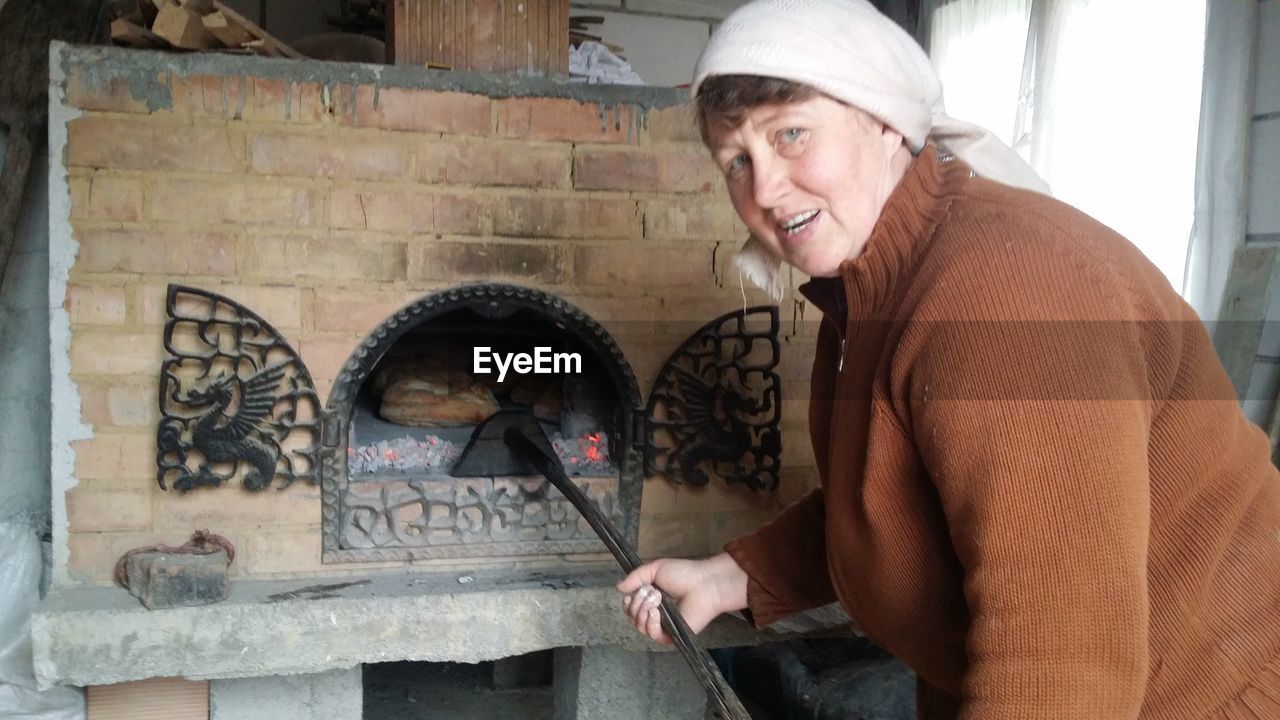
(799, 222)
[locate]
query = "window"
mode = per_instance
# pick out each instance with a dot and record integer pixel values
(1102, 97)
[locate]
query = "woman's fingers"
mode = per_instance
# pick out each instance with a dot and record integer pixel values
(638, 604)
(653, 625)
(641, 576)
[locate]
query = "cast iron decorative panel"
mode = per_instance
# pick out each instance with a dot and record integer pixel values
(715, 406)
(235, 399)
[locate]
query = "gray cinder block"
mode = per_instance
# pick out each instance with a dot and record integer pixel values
(609, 683)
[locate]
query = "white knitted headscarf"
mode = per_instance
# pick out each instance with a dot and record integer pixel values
(848, 50)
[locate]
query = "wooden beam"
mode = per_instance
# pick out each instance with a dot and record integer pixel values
(124, 32)
(229, 33)
(269, 41)
(183, 29)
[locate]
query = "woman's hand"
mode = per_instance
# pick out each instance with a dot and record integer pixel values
(702, 589)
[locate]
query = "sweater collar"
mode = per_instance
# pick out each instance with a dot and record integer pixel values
(905, 228)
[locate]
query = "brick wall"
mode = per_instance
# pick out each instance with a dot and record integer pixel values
(324, 205)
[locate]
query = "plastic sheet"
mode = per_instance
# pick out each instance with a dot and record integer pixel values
(593, 63)
(22, 567)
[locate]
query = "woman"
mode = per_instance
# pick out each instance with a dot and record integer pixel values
(1037, 488)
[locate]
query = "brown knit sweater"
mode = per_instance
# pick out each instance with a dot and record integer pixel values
(1038, 490)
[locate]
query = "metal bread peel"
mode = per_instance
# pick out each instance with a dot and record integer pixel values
(523, 437)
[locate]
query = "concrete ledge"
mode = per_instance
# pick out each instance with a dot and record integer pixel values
(97, 636)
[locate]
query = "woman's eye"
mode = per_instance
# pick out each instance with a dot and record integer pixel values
(791, 135)
(737, 164)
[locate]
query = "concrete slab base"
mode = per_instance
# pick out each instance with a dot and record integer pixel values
(333, 695)
(610, 683)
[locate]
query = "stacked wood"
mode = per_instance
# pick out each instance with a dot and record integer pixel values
(192, 25)
(579, 25)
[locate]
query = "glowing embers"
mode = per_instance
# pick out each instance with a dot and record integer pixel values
(586, 455)
(403, 455)
(434, 456)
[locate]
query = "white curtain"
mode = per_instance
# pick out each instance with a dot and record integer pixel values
(1223, 158)
(1102, 97)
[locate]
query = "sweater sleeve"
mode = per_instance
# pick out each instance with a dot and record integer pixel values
(786, 562)
(1032, 415)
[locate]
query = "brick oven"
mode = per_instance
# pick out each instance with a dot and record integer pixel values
(305, 238)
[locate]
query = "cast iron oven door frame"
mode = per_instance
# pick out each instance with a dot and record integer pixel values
(492, 302)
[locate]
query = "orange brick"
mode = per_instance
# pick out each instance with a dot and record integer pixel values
(139, 251)
(408, 211)
(186, 94)
(325, 356)
(358, 311)
(451, 261)
(148, 144)
(149, 304)
(561, 119)
(382, 209)
(271, 551)
(98, 353)
(271, 100)
(571, 217)
(609, 310)
(118, 405)
(117, 458)
(665, 496)
(629, 265)
(461, 214)
(501, 164)
(419, 110)
(88, 89)
(643, 170)
(108, 509)
(354, 155)
(106, 198)
(675, 124)
(662, 306)
(239, 202)
(279, 305)
(224, 97)
(431, 160)
(212, 96)
(323, 258)
(96, 304)
(92, 557)
(231, 506)
(726, 526)
(696, 219)
(672, 535)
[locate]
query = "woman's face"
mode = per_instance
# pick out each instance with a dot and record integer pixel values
(809, 178)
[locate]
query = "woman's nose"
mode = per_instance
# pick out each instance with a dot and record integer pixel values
(770, 182)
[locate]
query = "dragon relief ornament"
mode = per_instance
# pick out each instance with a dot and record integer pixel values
(235, 399)
(714, 409)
